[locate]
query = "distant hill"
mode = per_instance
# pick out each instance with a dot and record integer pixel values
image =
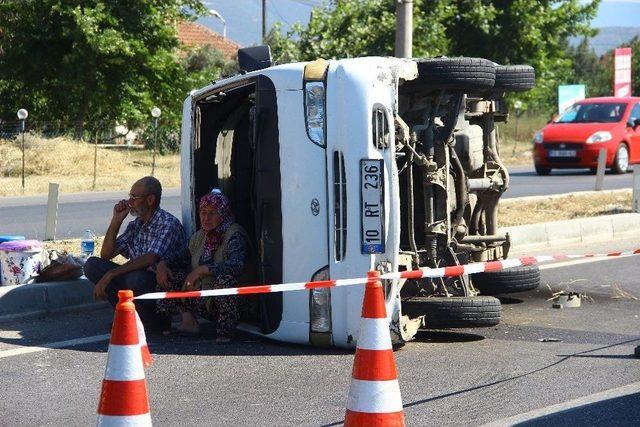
(609, 38)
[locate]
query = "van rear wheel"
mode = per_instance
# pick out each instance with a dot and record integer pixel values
(516, 279)
(454, 312)
(465, 74)
(515, 78)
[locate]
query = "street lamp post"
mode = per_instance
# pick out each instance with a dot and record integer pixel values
(22, 115)
(155, 113)
(216, 14)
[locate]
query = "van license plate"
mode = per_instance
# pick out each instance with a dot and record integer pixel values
(372, 206)
(562, 153)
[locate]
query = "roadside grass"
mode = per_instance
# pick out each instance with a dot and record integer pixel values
(71, 163)
(562, 207)
(516, 138)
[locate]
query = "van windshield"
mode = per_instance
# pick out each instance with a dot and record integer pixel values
(604, 112)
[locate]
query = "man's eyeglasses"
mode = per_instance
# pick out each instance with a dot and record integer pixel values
(135, 197)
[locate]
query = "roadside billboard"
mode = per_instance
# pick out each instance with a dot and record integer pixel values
(568, 95)
(622, 72)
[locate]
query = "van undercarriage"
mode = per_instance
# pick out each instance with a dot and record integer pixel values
(451, 179)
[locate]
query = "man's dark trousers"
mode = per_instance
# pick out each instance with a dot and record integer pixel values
(139, 281)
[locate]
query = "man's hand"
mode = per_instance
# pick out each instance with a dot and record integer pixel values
(163, 275)
(121, 210)
(192, 279)
(101, 286)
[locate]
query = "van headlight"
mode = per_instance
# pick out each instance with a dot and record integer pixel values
(314, 108)
(600, 136)
(320, 304)
(538, 137)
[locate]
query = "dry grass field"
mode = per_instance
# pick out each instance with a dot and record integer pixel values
(71, 164)
(560, 207)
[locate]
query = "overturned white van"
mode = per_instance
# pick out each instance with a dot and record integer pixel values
(343, 166)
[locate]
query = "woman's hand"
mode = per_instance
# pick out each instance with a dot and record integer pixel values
(163, 275)
(191, 281)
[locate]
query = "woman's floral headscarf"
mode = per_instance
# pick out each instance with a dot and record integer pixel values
(216, 200)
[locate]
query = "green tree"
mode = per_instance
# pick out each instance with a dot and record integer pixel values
(588, 69)
(344, 29)
(88, 61)
(523, 32)
(505, 31)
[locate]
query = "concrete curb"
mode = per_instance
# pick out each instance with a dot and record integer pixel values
(582, 230)
(37, 299)
(47, 298)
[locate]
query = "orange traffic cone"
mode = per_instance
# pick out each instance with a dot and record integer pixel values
(123, 400)
(374, 395)
(147, 359)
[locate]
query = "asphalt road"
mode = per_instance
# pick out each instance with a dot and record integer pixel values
(26, 216)
(77, 212)
(538, 362)
(525, 182)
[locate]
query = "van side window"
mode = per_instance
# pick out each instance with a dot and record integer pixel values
(340, 206)
(380, 127)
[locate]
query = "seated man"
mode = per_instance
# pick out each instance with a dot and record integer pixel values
(153, 236)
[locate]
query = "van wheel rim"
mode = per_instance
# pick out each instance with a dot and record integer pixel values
(623, 158)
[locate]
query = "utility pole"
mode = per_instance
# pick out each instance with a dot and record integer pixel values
(264, 20)
(404, 28)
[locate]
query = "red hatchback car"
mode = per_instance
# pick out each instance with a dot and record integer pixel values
(575, 138)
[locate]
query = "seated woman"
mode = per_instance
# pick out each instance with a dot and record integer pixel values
(219, 258)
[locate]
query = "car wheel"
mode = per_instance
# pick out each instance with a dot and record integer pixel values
(621, 161)
(542, 170)
(465, 74)
(454, 312)
(516, 279)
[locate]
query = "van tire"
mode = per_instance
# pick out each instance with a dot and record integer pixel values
(454, 312)
(464, 74)
(516, 279)
(515, 78)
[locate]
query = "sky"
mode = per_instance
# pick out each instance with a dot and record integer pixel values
(618, 13)
(244, 18)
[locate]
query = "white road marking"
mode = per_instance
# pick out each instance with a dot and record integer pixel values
(624, 390)
(580, 261)
(49, 346)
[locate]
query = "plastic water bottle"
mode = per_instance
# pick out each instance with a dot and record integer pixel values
(87, 244)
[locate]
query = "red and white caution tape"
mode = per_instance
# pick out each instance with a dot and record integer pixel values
(451, 271)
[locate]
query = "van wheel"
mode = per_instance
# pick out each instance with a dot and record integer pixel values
(621, 161)
(515, 78)
(542, 170)
(457, 73)
(516, 279)
(454, 312)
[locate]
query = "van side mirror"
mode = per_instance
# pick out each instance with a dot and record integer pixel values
(636, 123)
(254, 58)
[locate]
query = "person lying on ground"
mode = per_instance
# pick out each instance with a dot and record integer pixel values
(220, 255)
(155, 234)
